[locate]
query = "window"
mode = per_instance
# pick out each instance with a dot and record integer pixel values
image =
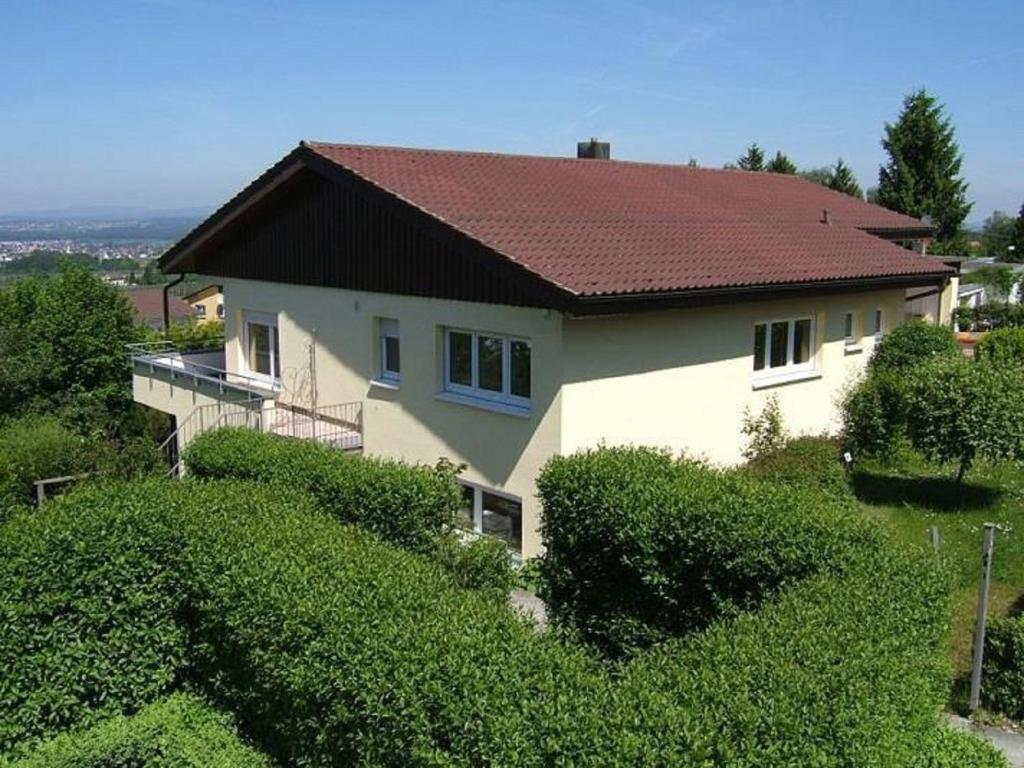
(200, 311)
(848, 326)
(487, 365)
(390, 360)
(262, 351)
(493, 514)
(220, 311)
(878, 322)
(783, 346)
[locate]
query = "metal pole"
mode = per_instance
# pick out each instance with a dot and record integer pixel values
(936, 537)
(979, 631)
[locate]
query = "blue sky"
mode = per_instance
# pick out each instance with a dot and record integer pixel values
(179, 103)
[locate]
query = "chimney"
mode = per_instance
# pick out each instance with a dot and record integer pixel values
(594, 150)
(825, 219)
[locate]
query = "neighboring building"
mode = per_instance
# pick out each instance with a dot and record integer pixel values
(206, 304)
(498, 310)
(148, 303)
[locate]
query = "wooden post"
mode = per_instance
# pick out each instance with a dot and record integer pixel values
(979, 630)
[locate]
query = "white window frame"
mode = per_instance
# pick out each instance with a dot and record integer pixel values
(879, 318)
(851, 340)
(200, 311)
(478, 509)
(388, 328)
(250, 318)
(790, 369)
(474, 390)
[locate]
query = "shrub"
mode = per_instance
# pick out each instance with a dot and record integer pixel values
(989, 316)
(766, 432)
(912, 344)
(175, 732)
(958, 411)
(1004, 346)
(334, 648)
(808, 463)
(481, 563)
(640, 547)
(950, 748)
(403, 504)
(1004, 667)
(874, 415)
(32, 448)
(88, 603)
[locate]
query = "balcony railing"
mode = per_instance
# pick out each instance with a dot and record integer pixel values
(200, 365)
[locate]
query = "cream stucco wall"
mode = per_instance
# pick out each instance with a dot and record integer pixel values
(679, 378)
(682, 379)
(501, 451)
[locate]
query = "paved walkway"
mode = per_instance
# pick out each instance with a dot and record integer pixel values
(531, 605)
(1010, 742)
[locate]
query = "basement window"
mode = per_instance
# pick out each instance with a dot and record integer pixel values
(878, 323)
(493, 513)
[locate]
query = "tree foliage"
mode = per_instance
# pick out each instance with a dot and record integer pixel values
(1017, 240)
(997, 235)
(922, 176)
(753, 160)
(817, 175)
(841, 179)
(781, 164)
(998, 280)
(62, 347)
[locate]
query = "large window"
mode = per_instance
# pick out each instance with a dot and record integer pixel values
(493, 514)
(390, 359)
(783, 346)
(487, 365)
(262, 350)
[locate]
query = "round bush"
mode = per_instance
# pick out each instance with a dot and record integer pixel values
(1004, 346)
(911, 344)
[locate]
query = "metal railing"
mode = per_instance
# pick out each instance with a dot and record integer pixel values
(340, 425)
(165, 356)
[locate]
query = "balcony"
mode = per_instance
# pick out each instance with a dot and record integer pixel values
(202, 370)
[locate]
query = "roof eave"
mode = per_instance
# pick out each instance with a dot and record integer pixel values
(609, 304)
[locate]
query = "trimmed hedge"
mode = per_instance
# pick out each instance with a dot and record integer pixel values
(180, 731)
(951, 748)
(88, 603)
(912, 344)
(807, 463)
(403, 504)
(1002, 346)
(333, 648)
(1003, 678)
(641, 547)
(31, 448)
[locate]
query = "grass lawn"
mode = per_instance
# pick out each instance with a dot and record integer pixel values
(911, 497)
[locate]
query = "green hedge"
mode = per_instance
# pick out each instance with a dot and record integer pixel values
(912, 344)
(989, 316)
(807, 463)
(640, 547)
(1004, 345)
(88, 603)
(950, 748)
(180, 731)
(1003, 673)
(403, 504)
(32, 448)
(334, 648)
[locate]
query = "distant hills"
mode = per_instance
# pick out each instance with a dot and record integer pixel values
(105, 213)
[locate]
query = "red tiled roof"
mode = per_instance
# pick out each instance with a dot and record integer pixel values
(598, 227)
(148, 303)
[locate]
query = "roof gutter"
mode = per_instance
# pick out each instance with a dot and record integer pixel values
(641, 302)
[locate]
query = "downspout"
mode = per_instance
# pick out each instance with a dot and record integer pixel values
(167, 306)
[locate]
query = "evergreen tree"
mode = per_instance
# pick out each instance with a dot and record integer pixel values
(753, 160)
(997, 235)
(1017, 254)
(922, 177)
(781, 164)
(841, 179)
